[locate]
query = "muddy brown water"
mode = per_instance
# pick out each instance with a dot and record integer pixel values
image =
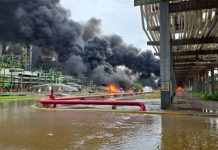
(25, 128)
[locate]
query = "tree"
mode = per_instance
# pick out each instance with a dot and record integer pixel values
(137, 86)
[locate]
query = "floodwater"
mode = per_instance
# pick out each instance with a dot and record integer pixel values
(25, 128)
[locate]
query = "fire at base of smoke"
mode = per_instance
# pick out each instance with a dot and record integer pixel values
(47, 26)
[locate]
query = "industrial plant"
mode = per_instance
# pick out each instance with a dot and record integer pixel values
(17, 74)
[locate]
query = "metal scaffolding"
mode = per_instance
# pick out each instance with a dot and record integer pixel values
(193, 28)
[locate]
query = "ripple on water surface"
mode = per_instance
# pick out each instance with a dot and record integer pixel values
(26, 128)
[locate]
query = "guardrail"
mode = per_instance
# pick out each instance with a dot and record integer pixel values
(92, 102)
(95, 96)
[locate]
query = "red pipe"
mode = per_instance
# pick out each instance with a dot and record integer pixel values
(93, 102)
(98, 96)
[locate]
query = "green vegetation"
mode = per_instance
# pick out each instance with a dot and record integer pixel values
(212, 97)
(138, 86)
(4, 99)
(207, 96)
(195, 93)
(154, 95)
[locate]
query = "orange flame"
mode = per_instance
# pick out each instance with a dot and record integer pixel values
(129, 90)
(113, 88)
(179, 88)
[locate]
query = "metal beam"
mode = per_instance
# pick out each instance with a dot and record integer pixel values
(187, 60)
(192, 5)
(187, 73)
(192, 64)
(190, 41)
(187, 70)
(188, 67)
(184, 77)
(196, 52)
(145, 2)
(157, 28)
(154, 28)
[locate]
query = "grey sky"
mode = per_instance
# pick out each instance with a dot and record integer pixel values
(118, 17)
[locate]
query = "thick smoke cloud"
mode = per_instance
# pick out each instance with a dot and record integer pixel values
(121, 79)
(61, 43)
(96, 51)
(92, 28)
(100, 75)
(142, 62)
(15, 48)
(43, 23)
(74, 66)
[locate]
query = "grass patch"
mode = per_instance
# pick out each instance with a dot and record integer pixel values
(211, 97)
(4, 99)
(195, 93)
(153, 95)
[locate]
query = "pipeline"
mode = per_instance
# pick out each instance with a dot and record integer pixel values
(96, 96)
(92, 102)
(80, 100)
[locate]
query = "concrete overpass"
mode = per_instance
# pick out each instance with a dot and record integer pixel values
(184, 33)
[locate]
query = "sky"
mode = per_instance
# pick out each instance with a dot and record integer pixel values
(117, 17)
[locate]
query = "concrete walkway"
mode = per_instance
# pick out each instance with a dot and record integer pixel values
(189, 101)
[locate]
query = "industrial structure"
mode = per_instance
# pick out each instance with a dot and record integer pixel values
(88, 100)
(17, 75)
(184, 33)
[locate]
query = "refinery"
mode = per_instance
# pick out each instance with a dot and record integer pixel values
(17, 75)
(79, 74)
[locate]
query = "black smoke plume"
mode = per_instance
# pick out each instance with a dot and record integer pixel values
(74, 66)
(96, 51)
(58, 42)
(15, 48)
(143, 63)
(44, 23)
(92, 28)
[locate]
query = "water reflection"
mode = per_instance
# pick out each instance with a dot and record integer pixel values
(189, 132)
(26, 128)
(210, 110)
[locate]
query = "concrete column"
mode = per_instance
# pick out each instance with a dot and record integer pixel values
(207, 82)
(196, 88)
(203, 83)
(189, 84)
(199, 83)
(165, 56)
(195, 84)
(173, 79)
(212, 81)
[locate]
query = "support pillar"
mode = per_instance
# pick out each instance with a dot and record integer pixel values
(173, 79)
(195, 84)
(199, 83)
(212, 81)
(203, 84)
(207, 82)
(165, 56)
